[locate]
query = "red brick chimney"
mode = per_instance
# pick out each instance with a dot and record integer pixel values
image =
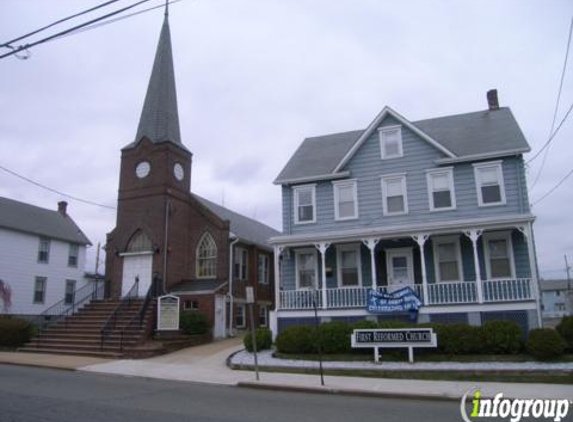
(63, 207)
(492, 102)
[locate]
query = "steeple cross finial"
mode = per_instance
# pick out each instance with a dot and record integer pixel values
(166, 7)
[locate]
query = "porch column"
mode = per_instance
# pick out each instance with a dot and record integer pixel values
(278, 250)
(371, 244)
(322, 247)
(421, 239)
(474, 235)
(527, 232)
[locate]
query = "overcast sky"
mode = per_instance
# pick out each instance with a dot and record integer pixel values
(256, 77)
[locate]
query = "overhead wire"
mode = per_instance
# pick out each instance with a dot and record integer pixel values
(552, 136)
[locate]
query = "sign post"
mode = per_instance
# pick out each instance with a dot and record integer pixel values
(251, 300)
(168, 313)
(395, 338)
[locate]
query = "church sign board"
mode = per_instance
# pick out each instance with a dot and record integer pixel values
(394, 338)
(168, 313)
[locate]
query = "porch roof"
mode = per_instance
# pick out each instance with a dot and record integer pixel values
(444, 227)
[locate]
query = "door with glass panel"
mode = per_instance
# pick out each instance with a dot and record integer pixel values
(400, 268)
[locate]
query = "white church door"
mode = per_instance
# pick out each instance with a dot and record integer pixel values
(136, 266)
(219, 327)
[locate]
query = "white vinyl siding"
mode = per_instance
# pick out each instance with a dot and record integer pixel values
(441, 193)
(390, 142)
(345, 200)
(499, 255)
(304, 204)
(306, 269)
(394, 196)
(447, 258)
(489, 183)
(348, 265)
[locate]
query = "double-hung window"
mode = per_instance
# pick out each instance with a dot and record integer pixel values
(390, 142)
(489, 183)
(263, 316)
(241, 258)
(306, 269)
(348, 260)
(499, 257)
(240, 316)
(345, 200)
(44, 250)
(304, 204)
(40, 289)
(447, 257)
(263, 269)
(73, 255)
(69, 293)
(441, 192)
(394, 196)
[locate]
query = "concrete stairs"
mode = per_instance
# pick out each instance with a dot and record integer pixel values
(80, 334)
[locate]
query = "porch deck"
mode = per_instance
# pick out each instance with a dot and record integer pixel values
(465, 292)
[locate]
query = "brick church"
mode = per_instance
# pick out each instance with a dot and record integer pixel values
(202, 252)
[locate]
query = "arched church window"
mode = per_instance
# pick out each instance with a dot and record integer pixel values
(207, 257)
(139, 243)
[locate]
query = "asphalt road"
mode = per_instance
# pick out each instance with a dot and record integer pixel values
(38, 395)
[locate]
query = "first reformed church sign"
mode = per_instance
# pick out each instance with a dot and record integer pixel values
(394, 338)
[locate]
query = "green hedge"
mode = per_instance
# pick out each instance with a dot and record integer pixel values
(501, 337)
(264, 339)
(565, 329)
(14, 332)
(297, 339)
(193, 322)
(545, 344)
(458, 338)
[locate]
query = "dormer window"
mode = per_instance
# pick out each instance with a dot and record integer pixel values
(390, 142)
(304, 204)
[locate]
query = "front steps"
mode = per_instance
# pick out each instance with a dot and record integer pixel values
(80, 334)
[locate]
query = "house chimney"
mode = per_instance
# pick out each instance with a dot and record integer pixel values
(62, 207)
(492, 102)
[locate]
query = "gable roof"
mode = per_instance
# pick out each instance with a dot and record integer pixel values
(22, 217)
(245, 228)
(463, 136)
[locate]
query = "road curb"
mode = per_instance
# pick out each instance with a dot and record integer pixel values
(342, 392)
(38, 365)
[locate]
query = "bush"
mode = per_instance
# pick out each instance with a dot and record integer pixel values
(565, 329)
(335, 337)
(192, 322)
(365, 325)
(297, 339)
(501, 337)
(458, 338)
(545, 344)
(264, 339)
(14, 332)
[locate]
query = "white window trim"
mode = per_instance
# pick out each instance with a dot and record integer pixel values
(383, 179)
(238, 252)
(296, 190)
(306, 251)
(344, 183)
(383, 130)
(499, 167)
(266, 279)
(241, 309)
(197, 251)
(505, 235)
(264, 308)
(409, 253)
(449, 171)
(437, 240)
(349, 247)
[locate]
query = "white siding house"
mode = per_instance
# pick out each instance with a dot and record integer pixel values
(42, 257)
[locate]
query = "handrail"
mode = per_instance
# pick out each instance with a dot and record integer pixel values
(112, 319)
(62, 309)
(151, 293)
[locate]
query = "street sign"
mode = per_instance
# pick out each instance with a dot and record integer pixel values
(250, 294)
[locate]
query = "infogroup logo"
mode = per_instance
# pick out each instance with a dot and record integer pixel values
(512, 409)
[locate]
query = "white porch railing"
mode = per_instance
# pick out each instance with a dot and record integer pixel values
(463, 292)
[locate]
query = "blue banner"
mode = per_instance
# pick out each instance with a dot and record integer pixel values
(402, 300)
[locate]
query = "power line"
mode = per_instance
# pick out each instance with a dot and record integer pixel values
(553, 188)
(99, 6)
(85, 201)
(67, 31)
(552, 136)
(556, 103)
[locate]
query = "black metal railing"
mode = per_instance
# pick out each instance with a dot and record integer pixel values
(65, 307)
(111, 321)
(140, 316)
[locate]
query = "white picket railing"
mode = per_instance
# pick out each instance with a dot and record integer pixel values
(438, 294)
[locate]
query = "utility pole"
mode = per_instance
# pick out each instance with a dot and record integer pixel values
(96, 284)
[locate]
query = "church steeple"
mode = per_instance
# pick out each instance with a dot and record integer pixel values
(159, 120)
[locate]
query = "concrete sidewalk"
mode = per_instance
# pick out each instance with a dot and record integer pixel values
(49, 361)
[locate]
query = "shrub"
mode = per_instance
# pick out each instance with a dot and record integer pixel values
(545, 344)
(501, 337)
(14, 332)
(335, 337)
(565, 329)
(192, 322)
(297, 339)
(365, 325)
(264, 339)
(395, 324)
(458, 338)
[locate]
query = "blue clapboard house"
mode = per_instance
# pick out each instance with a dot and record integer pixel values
(438, 207)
